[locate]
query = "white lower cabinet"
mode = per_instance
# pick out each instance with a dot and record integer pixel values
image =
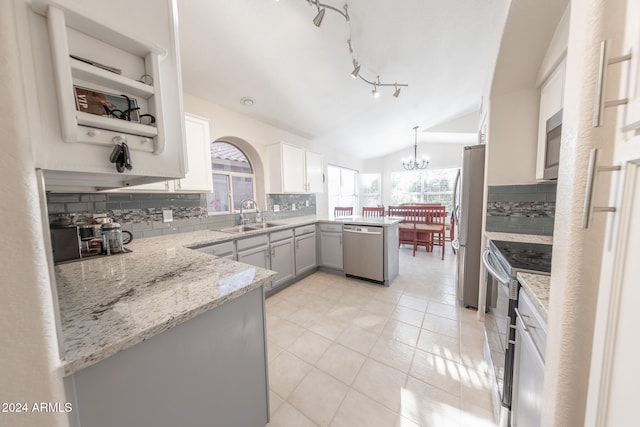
(528, 371)
(305, 249)
(331, 246)
(282, 262)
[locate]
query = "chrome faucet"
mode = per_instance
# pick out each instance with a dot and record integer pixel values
(242, 218)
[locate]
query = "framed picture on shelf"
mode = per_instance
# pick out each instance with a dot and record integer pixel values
(106, 104)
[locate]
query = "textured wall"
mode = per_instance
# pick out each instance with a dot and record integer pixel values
(28, 347)
(577, 253)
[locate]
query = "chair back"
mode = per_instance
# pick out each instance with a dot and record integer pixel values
(372, 212)
(342, 211)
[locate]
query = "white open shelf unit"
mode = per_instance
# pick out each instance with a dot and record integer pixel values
(93, 36)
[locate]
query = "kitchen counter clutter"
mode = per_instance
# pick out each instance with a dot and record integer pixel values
(538, 287)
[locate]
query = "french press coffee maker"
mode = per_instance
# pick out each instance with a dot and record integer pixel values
(112, 242)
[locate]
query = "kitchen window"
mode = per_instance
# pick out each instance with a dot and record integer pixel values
(370, 189)
(343, 187)
(423, 186)
(232, 176)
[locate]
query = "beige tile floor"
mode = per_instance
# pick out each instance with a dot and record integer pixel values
(345, 352)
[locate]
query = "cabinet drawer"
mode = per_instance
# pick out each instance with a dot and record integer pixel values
(280, 235)
(305, 229)
(330, 227)
(251, 242)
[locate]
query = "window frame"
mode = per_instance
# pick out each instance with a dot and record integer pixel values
(230, 175)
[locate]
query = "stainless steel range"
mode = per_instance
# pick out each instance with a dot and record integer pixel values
(503, 260)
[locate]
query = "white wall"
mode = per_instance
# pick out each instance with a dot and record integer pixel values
(512, 139)
(29, 361)
(227, 123)
(443, 155)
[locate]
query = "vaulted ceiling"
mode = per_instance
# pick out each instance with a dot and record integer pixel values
(299, 75)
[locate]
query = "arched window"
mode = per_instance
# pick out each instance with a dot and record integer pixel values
(232, 176)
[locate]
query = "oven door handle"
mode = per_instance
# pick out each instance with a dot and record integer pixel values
(493, 269)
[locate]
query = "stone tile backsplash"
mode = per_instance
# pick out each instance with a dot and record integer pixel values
(290, 205)
(141, 213)
(524, 209)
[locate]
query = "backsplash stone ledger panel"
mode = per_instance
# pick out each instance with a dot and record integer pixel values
(524, 209)
(141, 213)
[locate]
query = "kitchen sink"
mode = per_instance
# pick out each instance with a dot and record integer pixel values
(261, 225)
(248, 227)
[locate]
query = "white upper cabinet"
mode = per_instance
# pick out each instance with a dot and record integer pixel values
(294, 170)
(198, 177)
(631, 89)
(551, 100)
(87, 55)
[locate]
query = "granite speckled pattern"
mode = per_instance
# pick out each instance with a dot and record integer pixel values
(516, 237)
(538, 287)
(108, 304)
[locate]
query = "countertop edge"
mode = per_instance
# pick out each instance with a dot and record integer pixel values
(537, 287)
(74, 366)
(516, 237)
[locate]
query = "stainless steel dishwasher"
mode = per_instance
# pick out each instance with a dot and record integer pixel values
(364, 252)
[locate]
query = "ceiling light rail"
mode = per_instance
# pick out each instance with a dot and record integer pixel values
(317, 21)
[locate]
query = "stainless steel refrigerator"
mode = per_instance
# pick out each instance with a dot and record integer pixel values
(468, 213)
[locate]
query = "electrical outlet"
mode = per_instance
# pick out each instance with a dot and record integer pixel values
(293, 206)
(306, 203)
(276, 208)
(167, 215)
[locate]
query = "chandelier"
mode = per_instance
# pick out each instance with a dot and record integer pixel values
(376, 84)
(414, 164)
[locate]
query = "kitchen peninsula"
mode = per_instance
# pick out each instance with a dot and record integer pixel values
(181, 327)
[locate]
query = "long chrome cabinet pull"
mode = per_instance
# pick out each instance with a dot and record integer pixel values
(599, 103)
(525, 327)
(592, 170)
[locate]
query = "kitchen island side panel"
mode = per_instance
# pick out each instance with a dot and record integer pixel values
(210, 370)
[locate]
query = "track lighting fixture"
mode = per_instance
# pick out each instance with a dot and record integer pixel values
(356, 69)
(397, 91)
(317, 21)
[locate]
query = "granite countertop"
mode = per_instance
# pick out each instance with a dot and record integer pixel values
(516, 237)
(108, 304)
(538, 287)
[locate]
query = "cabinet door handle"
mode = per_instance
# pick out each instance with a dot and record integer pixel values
(599, 103)
(593, 168)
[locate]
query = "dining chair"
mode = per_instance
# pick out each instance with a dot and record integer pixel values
(342, 211)
(372, 212)
(430, 228)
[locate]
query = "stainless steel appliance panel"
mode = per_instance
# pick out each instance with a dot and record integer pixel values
(65, 244)
(470, 224)
(364, 252)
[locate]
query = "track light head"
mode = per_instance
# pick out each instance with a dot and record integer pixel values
(356, 70)
(375, 92)
(397, 91)
(317, 21)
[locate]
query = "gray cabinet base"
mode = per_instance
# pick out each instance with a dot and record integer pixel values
(210, 370)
